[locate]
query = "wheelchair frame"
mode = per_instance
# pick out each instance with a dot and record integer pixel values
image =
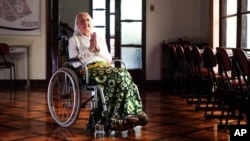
(64, 95)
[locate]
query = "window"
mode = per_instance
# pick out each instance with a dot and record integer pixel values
(234, 23)
(122, 27)
(122, 23)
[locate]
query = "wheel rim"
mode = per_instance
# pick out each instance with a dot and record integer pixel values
(64, 97)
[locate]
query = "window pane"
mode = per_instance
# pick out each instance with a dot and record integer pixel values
(99, 4)
(100, 31)
(112, 25)
(229, 32)
(229, 7)
(131, 33)
(112, 6)
(245, 31)
(245, 6)
(132, 57)
(112, 47)
(131, 9)
(99, 18)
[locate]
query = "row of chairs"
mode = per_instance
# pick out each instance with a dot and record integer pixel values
(217, 78)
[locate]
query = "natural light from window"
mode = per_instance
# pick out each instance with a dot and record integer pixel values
(231, 24)
(247, 28)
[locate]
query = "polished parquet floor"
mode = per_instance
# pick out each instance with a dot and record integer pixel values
(25, 116)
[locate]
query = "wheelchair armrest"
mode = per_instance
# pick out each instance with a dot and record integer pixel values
(83, 66)
(120, 61)
(71, 61)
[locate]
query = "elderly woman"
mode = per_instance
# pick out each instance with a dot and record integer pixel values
(124, 108)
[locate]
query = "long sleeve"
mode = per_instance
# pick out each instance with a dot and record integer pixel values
(73, 51)
(104, 53)
(79, 47)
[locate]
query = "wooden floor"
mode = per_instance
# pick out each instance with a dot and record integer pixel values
(25, 116)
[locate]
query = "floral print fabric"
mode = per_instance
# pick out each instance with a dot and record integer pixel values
(121, 97)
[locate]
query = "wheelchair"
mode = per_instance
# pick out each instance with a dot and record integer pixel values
(65, 96)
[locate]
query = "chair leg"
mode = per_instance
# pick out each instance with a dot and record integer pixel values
(14, 75)
(201, 91)
(229, 110)
(248, 113)
(220, 125)
(10, 83)
(12, 79)
(209, 99)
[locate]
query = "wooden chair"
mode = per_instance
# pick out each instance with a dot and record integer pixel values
(182, 68)
(242, 68)
(191, 77)
(210, 63)
(175, 65)
(230, 87)
(201, 76)
(5, 63)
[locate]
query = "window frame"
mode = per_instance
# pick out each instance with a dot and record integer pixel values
(241, 37)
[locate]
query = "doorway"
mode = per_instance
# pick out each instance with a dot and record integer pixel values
(124, 29)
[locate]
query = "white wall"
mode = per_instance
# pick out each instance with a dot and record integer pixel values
(172, 19)
(37, 53)
(67, 15)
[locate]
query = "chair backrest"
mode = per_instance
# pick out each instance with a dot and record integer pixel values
(225, 67)
(242, 67)
(5, 49)
(223, 59)
(197, 62)
(180, 52)
(210, 62)
(242, 61)
(197, 59)
(189, 58)
(188, 54)
(173, 56)
(180, 56)
(209, 58)
(172, 51)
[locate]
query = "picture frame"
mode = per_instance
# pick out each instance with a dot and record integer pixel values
(20, 17)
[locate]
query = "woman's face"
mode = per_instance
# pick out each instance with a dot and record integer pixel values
(84, 23)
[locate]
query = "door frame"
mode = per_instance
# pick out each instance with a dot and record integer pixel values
(52, 29)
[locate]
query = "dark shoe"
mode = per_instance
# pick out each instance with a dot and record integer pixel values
(143, 119)
(132, 119)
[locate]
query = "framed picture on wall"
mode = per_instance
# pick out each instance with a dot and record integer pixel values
(20, 17)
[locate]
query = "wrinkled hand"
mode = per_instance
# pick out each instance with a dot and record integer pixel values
(93, 44)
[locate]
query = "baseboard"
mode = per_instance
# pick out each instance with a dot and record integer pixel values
(147, 85)
(158, 85)
(23, 83)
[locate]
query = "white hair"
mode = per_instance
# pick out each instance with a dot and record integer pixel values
(76, 30)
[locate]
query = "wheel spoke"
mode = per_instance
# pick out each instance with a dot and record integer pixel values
(64, 97)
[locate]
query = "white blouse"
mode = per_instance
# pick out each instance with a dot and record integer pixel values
(78, 47)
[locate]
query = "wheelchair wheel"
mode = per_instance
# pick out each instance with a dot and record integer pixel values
(64, 97)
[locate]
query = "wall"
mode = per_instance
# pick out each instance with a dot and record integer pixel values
(68, 16)
(37, 53)
(172, 19)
